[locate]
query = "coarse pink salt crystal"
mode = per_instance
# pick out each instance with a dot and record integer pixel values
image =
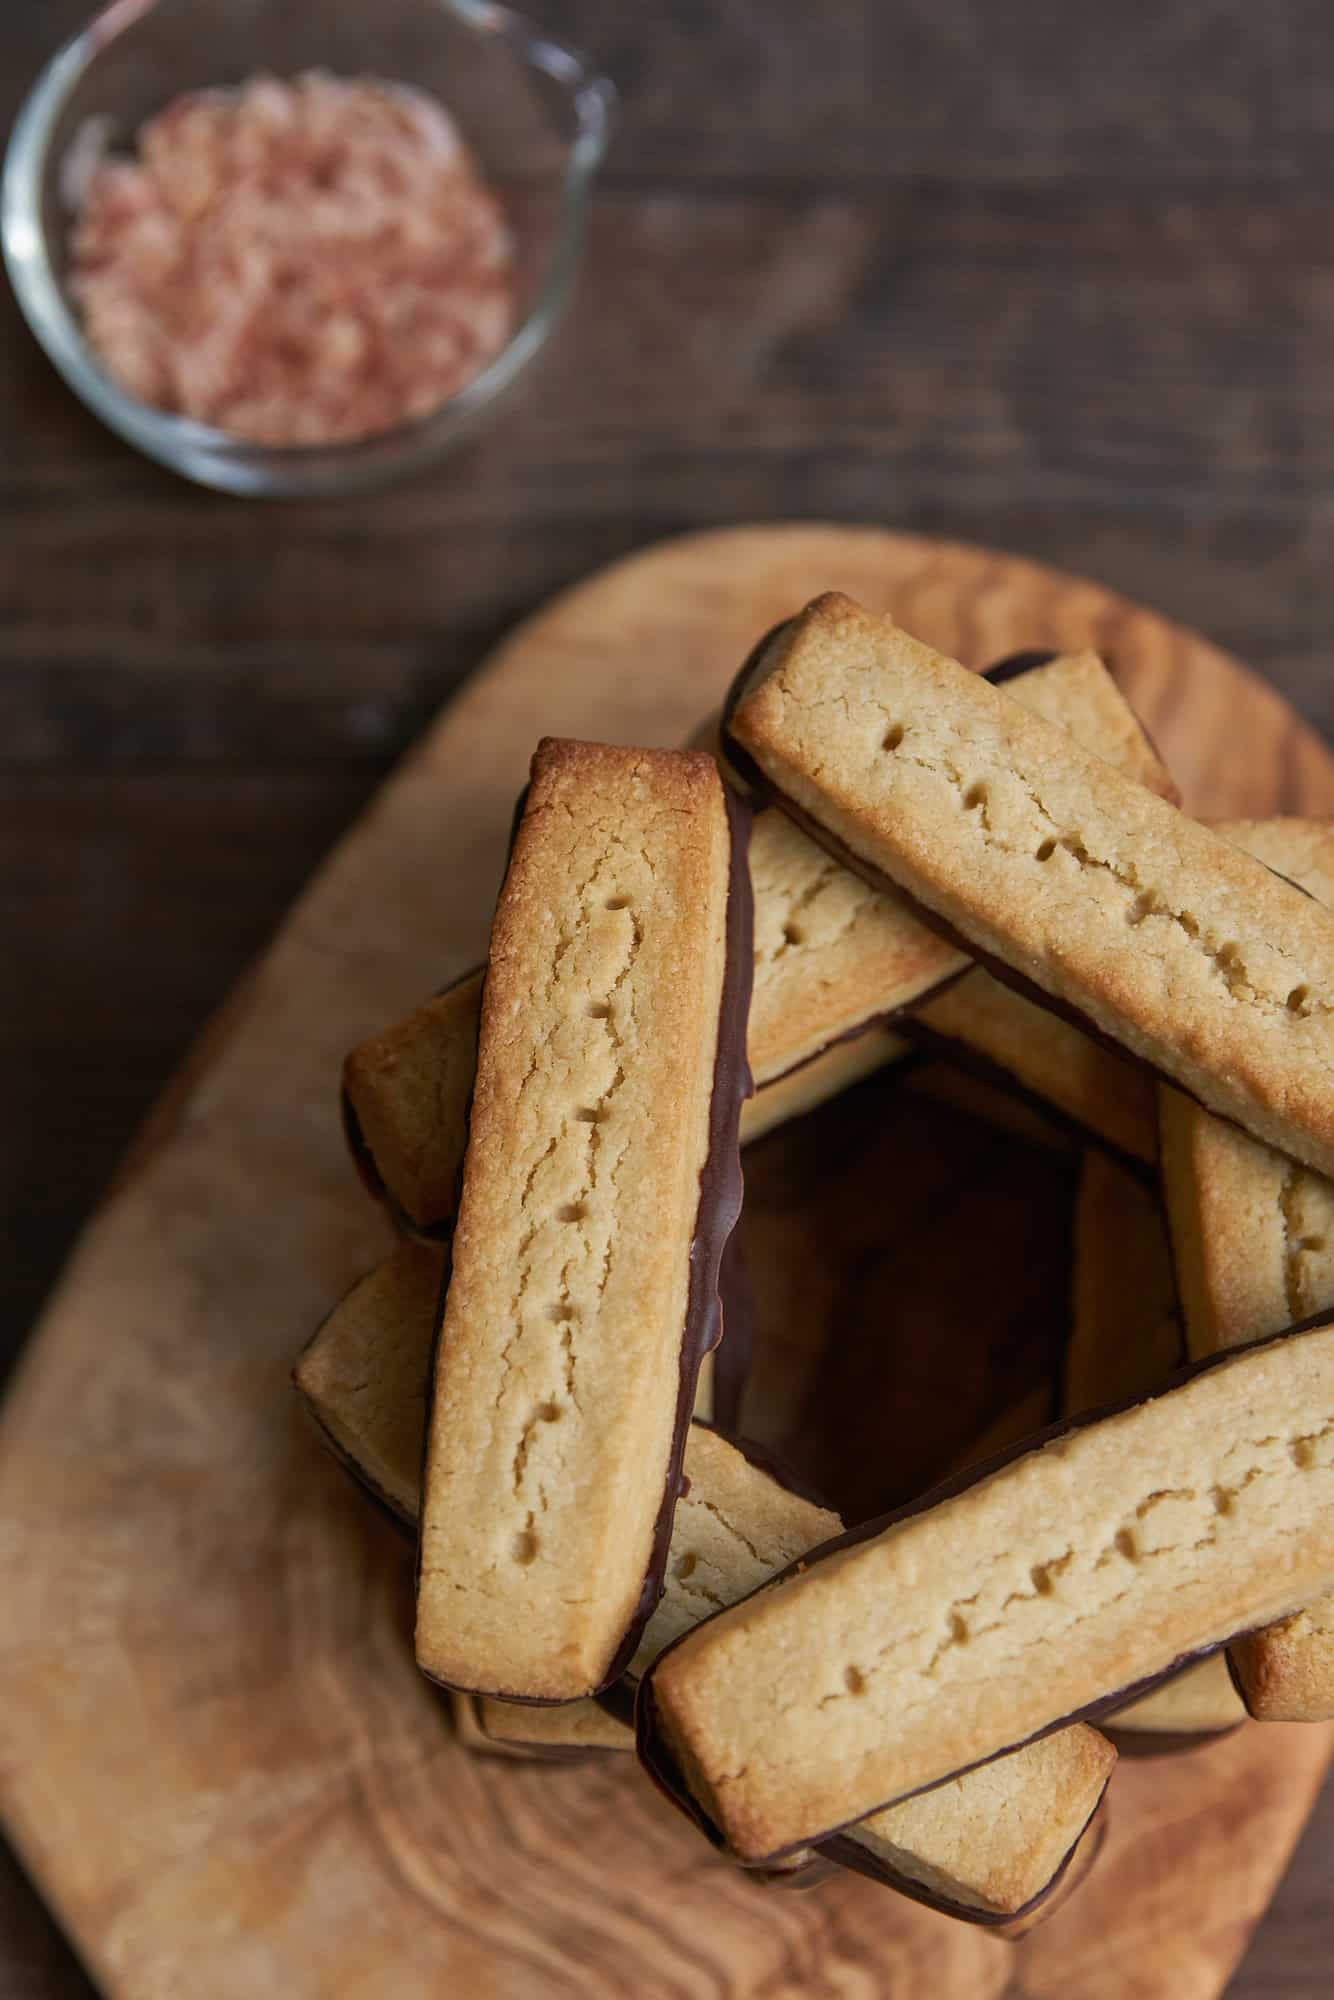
(301, 262)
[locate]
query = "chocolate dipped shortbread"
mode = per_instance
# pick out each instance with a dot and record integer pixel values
(834, 961)
(990, 1846)
(1253, 1240)
(1047, 862)
(600, 1184)
(1055, 1586)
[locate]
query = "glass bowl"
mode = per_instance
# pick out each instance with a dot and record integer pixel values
(535, 115)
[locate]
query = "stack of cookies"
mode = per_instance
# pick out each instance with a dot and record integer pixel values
(882, 853)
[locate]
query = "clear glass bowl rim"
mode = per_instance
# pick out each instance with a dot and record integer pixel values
(214, 457)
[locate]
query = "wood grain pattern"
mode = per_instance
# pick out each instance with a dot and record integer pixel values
(215, 1750)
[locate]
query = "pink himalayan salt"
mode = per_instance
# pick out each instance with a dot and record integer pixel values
(297, 263)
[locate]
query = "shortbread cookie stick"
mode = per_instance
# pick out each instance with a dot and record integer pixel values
(985, 1848)
(1053, 1587)
(996, 1845)
(832, 957)
(831, 950)
(363, 1374)
(405, 1105)
(993, 1853)
(566, 1733)
(1200, 1700)
(1002, 1036)
(600, 1184)
(1125, 1342)
(573, 1733)
(1050, 863)
(1198, 1703)
(1253, 1238)
(1252, 1231)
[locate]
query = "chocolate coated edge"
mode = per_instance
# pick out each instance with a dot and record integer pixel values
(848, 1852)
(619, 1698)
(1164, 1742)
(736, 1349)
(545, 1753)
(651, 1745)
(715, 1217)
(843, 1849)
(719, 1207)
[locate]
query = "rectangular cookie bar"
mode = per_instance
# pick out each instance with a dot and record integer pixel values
(994, 1844)
(1253, 1240)
(831, 956)
(985, 1848)
(1252, 1230)
(364, 1372)
(363, 1376)
(569, 1731)
(1126, 1341)
(1041, 1591)
(569, 1734)
(1001, 1035)
(600, 1184)
(405, 1105)
(1050, 863)
(997, 1848)
(1199, 1702)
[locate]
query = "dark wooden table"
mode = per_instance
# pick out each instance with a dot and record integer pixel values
(1060, 279)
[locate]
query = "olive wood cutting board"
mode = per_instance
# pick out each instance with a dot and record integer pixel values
(215, 1754)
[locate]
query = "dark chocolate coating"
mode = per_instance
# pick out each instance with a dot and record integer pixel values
(719, 1207)
(839, 1848)
(619, 1698)
(736, 1349)
(1161, 1742)
(654, 1752)
(715, 1218)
